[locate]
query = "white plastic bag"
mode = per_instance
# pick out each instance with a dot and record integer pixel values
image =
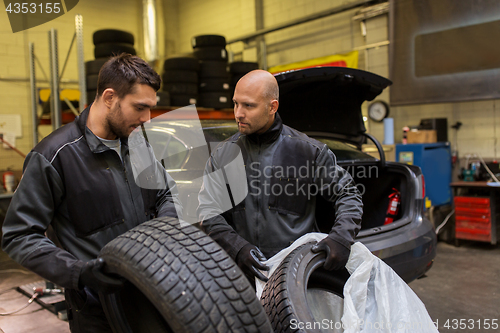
(376, 299)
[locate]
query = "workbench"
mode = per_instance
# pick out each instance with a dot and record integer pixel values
(476, 211)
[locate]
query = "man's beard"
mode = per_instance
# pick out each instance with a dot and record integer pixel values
(114, 124)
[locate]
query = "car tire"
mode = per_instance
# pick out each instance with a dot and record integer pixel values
(112, 49)
(112, 36)
(182, 63)
(242, 67)
(181, 88)
(211, 53)
(208, 40)
(178, 76)
(94, 66)
(91, 94)
(285, 295)
(215, 100)
(212, 69)
(183, 100)
(162, 98)
(177, 280)
(91, 81)
(214, 84)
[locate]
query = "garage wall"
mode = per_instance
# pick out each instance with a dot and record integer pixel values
(14, 58)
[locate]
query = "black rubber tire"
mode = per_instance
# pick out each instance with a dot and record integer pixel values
(216, 100)
(94, 66)
(211, 68)
(208, 40)
(183, 100)
(162, 98)
(178, 280)
(242, 67)
(284, 296)
(181, 88)
(91, 81)
(91, 96)
(214, 84)
(112, 36)
(182, 63)
(177, 76)
(112, 49)
(211, 53)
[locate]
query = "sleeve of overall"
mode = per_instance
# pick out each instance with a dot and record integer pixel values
(338, 187)
(31, 211)
(212, 196)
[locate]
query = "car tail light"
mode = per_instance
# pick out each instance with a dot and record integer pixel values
(421, 187)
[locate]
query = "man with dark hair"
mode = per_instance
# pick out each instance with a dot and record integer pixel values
(79, 181)
(281, 202)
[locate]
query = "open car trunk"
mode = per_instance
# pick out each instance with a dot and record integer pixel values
(375, 183)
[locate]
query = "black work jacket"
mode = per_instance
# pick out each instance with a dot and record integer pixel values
(85, 192)
(285, 172)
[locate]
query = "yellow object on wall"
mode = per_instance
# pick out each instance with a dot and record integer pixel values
(341, 60)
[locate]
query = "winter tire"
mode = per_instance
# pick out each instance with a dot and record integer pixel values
(94, 66)
(178, 280)
(177, 76)
(112, 36)
(208, 40)
(285, 296)
(216, 100)
(182, 63)
(181, 88)
(183, 100)
(210, 68)
(91, 81)
(214, 84)
(91, 94)
(211, 53)
(242, 67)
(112, 49)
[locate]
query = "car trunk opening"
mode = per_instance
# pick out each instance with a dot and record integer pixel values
(375, 183)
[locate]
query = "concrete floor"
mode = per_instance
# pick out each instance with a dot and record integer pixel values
(464, 283)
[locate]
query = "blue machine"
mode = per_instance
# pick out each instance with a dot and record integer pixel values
(435, 161)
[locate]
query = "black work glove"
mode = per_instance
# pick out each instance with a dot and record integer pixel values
(93, 276)
(336, 253)
(249, 260)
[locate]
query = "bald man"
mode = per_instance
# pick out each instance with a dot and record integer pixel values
(286, 170)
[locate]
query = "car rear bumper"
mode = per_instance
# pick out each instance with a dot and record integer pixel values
(409, 250)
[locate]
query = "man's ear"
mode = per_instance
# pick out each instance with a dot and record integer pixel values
(274, 106)
(108, 96)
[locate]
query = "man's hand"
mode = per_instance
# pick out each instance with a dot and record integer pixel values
(93, 276)
(249, 260)
(336, 253)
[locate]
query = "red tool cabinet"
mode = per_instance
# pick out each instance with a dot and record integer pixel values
(476, 215)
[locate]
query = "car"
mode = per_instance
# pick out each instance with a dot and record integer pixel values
(325, 103)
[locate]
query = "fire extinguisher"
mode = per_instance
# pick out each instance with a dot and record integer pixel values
(393, 208)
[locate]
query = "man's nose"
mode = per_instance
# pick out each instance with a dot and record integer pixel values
(238, 112)
(145, 116)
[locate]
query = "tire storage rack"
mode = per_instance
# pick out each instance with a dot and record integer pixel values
(179, 81)
(214, 84)
(107, 43)
(238, 69)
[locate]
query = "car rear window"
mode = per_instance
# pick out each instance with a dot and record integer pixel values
(345, 152)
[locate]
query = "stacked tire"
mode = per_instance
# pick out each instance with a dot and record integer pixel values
(214, 84)
(180, 80)
(238, 69)
(107, 43)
